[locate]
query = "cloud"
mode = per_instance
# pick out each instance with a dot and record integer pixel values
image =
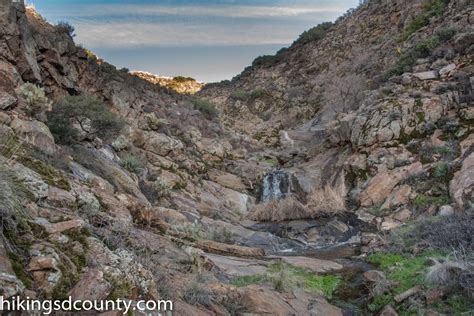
(126, 25)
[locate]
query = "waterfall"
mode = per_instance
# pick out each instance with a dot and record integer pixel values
(276, 185)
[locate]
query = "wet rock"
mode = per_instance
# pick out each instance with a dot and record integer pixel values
(374, 275)
(226, 249)
(313, 264)
(434, 295)
(235, 266)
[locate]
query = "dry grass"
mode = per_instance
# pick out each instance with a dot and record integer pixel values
(327, 201)
(321, 202)
(280, 210)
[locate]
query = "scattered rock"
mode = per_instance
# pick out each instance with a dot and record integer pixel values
(35, 133)
(91, 286)
(446, 210)
(426, 75)
(403, 296)
(226, 249)
(388, 311)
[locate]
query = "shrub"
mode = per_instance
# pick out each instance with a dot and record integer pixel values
(76, 115)
(239, 94)
(205, 107)
(66, 27)
(196, 294)
(446, 34)
(316, 33)
(120, 143)
(258, 93)
(441, 170)
(36, 100)
(193, 230)
(152, 121)
(131, 163)
(408, 59)
(161, 188)
(431, 8)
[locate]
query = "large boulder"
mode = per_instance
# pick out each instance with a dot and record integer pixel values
(461, 187)
(161, 144)
(36, 134)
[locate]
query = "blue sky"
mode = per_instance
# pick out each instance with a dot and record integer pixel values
(209, 40)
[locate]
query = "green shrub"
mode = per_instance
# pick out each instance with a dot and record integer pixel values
(425, 200)
(131, 163)
(153, 121)
(316, 33)
(431, 8)
(258, 93)
(66, 27)
(75, 115)
(36, 100)
(205, 107)
(239, 94)
(441, 170)
(192, 230)
(446, 34)
(121, 143)
(161, 188)
(408, 59)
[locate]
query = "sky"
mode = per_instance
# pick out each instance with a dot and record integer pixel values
(209, 40)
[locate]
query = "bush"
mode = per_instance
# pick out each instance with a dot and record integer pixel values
(161, 188)
(76, 115)
(196, 294)
(205, 107)
(446, 34)
(152, 121)
(36, 100)
(66, 27)
(121, 143)
(131, 163)
(239, 94)
(431, 8)
(315, 34)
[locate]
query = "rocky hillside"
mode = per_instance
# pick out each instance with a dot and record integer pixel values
(314, 183)
(179, 84)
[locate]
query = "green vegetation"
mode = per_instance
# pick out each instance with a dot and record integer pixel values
(131, 163)
(153, 121)
(48, 173)
(65, 27)
(284, 276)
(161, 188)
(121, 288)
(441, 170)
(36, 100)
(205, 107)
(243, 95)
(425, 200)
(19, 269)
(315, 34)
(191, 230)
(76, 115)
(408, 59)
(431, 9)
(121, 143)
(406, 272)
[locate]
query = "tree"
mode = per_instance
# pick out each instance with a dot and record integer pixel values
(76, 117)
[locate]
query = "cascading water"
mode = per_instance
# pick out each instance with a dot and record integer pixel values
(276, 185)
